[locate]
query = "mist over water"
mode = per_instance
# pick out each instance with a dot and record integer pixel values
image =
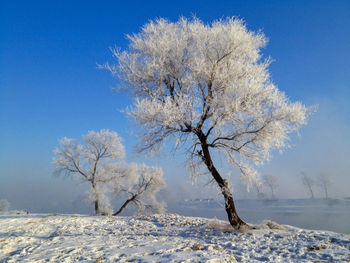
(321, 214)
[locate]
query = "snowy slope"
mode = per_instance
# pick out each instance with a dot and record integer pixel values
(158, 238)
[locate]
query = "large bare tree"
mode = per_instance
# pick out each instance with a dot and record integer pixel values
(206, 86)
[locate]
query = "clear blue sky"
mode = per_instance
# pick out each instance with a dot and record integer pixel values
(50, 86)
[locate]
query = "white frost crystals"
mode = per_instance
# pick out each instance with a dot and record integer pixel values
(206, 87)
(99, 161)
(188, 74)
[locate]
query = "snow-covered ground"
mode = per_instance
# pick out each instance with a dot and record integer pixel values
(159, 238)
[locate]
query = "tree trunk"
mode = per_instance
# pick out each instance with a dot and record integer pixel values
(233, 217)
(312, 193)
(124, 205)
(96, 207)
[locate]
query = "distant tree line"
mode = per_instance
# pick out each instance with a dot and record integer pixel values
(322, 181)
(270, 181)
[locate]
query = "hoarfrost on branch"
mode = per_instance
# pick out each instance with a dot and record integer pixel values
(207, 87)
(99, 161)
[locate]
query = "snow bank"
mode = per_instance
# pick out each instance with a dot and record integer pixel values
(159, 238)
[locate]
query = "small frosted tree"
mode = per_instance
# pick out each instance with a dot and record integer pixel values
(309, 182)
(99, 161)
(207, 87)
(324, 182)
(271, 181)
(141, 188)
(259, 187)
(4, 205)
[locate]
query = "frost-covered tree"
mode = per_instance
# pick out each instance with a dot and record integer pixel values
(259, 187)
(206, 86)
(141, 190)
(271, 181)
(99, 161)
(4, 205)
(309, 182)
(324, 182)
(94, 161)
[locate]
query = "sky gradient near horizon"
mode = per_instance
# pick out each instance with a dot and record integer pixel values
(50, 87)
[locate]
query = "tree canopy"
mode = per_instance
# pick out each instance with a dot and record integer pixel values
(207, 86)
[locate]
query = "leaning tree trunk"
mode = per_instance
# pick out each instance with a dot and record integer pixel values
(233, 217)
(125, 204)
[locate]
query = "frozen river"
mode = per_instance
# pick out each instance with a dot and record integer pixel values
(331, 214)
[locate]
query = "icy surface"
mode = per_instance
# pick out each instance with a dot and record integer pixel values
(317, 214)
(159, 238)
